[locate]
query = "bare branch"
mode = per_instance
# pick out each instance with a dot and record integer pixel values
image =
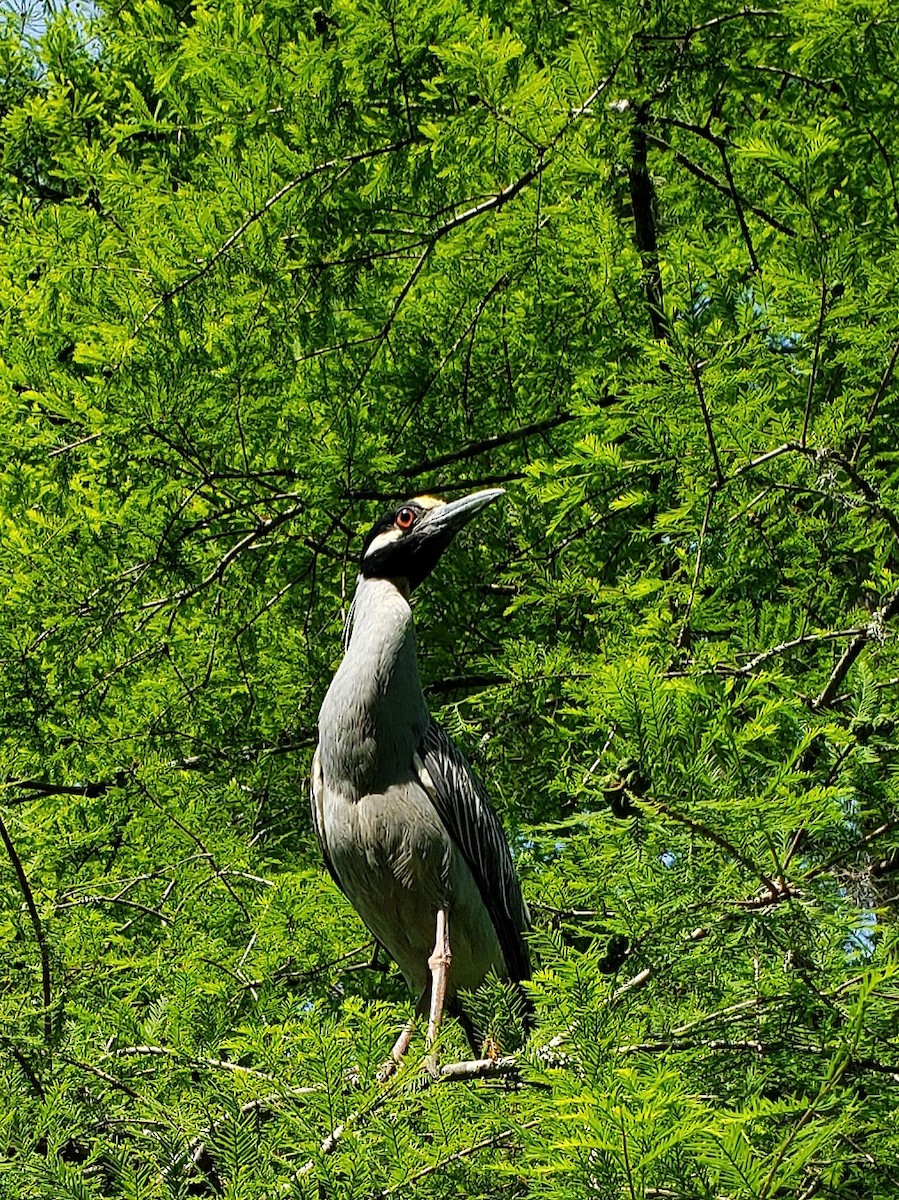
(344, 162)
(805, 639)
(36, 925)
(477, 1068)
(696, 372)
(91, 437)
(813, 375)
(714, 23)
(785, 448)
(873, 630)
(249, 540)
(875, 403)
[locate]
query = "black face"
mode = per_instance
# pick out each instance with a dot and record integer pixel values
(406, 543)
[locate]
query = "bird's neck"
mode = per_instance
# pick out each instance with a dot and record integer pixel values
(374, 714)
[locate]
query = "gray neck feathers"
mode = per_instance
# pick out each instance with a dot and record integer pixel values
(374, 714)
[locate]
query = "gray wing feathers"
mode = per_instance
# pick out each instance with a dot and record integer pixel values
(316, 799)
(461, 801)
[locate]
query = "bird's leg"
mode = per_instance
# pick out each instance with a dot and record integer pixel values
(431, 1001)
(439, 963)
(400, 1046)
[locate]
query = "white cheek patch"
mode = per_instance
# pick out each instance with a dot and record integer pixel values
(383, 540)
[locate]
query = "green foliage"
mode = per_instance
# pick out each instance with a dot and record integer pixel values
(266, 268)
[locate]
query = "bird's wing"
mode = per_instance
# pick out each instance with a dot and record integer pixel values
(461, 802)
(316, 800)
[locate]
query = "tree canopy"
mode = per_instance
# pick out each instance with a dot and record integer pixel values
(266, 269)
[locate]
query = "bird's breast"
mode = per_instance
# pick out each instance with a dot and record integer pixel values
(398, 864)
(380, 842)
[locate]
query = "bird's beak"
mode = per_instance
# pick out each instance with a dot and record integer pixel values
(449, 518)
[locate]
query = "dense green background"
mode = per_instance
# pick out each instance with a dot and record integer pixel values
(265, 269)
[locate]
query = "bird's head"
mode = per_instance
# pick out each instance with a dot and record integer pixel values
(408, 541)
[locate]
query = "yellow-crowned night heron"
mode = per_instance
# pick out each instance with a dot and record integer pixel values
(403, 822)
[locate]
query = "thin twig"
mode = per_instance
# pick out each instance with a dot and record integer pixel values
(774, 890)
(738, 206)
(119, 1084)
(868, 490)
(215, 575)
(820, 868)
(875, 403)
(714, 23)
(703, 533)
(503, 196)
(492, 1141)
(489, 444)
(854, 649)
(696, 372)
(88, 901)
(760, 461)
(25, 1066)
(626, 1156)
(90, 437)
(37, 926)
(346, 161)
(813, 375)
(207, 854)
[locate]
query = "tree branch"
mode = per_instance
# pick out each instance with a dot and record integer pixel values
(492, 1141)
(346, 161)
(40, 937)
(874, 630)
(714, 23)
(503, 196)
(215, 575)
(875, 403)
(492, 443)
(707, 177)
(707, 421)
(880, 831)
(775, 890)
(805, 639)
(813, 375)
(641, 192)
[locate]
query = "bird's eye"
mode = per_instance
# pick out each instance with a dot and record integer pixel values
(405, 518)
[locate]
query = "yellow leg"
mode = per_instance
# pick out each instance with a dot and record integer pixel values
(439, 964)
(431, 1001)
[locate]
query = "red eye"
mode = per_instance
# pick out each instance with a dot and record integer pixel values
(405, 518)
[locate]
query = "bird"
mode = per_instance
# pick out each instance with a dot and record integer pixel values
(402, 821)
